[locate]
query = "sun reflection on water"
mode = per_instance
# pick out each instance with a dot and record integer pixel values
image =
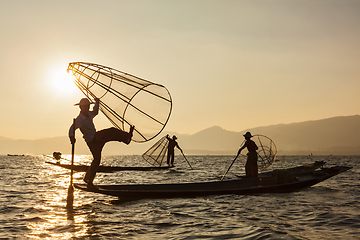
(58, 226)
(55, 221)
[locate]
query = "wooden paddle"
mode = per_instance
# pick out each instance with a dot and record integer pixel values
(230, 166)
(70, 196)
(186, 159)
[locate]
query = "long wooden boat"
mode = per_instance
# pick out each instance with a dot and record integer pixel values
(277, 181)
(83, 168)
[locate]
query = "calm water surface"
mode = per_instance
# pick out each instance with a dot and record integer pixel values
(33, 199)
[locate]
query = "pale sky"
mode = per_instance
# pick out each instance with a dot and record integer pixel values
(230, 63)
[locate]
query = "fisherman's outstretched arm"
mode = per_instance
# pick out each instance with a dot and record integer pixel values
(71, 134)
(243, 146)
(72, 130)
(177, 145)
(96, 107)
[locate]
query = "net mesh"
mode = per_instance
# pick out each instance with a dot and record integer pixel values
(125, 99)
(266, 152)
(155, 154)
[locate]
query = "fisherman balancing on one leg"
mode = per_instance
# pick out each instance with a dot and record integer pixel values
(95, 139)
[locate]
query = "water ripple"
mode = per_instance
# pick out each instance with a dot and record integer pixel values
(33, 198)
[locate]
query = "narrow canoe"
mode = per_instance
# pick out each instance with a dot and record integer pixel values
(277, 181)
(83, 168)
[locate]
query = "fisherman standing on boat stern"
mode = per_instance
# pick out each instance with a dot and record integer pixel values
(171, 152)
(251, 167)
(95, 139)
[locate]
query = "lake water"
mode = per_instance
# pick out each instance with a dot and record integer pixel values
(33, 199)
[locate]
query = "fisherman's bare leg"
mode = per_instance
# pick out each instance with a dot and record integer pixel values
(168, 158)
(114, 134)
(172, 159)
(97, 144)
(95, 148)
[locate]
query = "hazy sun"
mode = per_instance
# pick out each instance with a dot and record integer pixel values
(61, 82)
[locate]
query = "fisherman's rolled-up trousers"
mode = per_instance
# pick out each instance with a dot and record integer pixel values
(96, 145)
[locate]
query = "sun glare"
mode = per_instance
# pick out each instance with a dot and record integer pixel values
(62, 82)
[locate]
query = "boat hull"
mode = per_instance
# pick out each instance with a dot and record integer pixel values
(267, 183)
(84, 168)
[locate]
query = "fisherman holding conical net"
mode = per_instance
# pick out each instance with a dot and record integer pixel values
(261, 154)
(171, 148)
(251, 167)
(155, 154)
(95, 139)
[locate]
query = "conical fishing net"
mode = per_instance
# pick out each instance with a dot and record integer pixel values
(156, 153)
(266, 152)
(125, 99)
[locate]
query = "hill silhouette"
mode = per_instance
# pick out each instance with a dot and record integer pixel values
(336, 135)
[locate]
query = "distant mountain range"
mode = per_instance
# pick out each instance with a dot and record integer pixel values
(336, 135)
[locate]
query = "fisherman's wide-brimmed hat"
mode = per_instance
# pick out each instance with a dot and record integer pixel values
(248, 135)
(83, 101)
(174, 137)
